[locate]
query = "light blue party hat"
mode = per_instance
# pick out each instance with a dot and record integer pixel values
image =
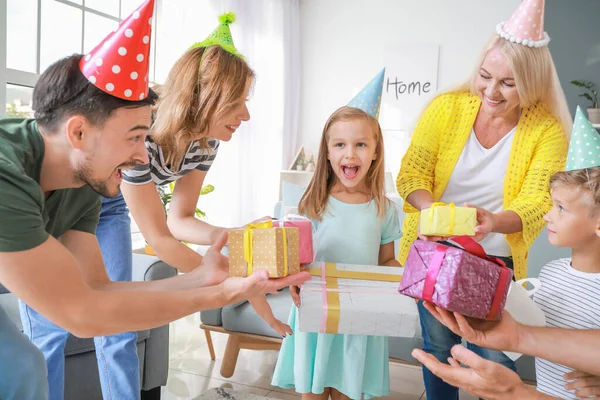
(584, 149)
(369, 99)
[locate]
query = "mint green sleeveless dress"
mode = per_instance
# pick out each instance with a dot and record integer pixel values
(355, 365)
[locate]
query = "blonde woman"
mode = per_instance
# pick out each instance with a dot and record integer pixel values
(493, 143)
(202, 102)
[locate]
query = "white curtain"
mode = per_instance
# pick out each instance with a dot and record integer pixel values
(246, 171)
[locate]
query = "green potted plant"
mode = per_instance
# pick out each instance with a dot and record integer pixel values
(591, 94)
(166, 192)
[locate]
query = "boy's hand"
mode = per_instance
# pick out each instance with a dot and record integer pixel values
(584, 384)
(280, 327)
(295, 293)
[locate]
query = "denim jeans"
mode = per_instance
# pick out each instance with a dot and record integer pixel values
(439, 340)
(23, 373)
(116, 355)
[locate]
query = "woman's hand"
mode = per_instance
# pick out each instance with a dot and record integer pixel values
(295, 293)
(585, 385)
(257, 221)
(486, 222)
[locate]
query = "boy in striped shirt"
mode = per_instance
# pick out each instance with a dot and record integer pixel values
(570, 290)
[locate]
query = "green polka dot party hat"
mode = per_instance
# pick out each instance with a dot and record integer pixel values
(584, 150)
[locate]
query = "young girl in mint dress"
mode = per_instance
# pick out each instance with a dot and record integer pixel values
(353, 223)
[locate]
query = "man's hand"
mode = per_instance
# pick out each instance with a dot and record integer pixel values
(236, 289)
(486, 379)
(214, 268)
(486, 222)
(584, 384)
(498, 335)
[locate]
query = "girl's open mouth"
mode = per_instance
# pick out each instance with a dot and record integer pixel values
(350, 171)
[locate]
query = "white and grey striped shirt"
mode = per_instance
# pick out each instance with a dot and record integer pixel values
(158, 172)
(570, 299)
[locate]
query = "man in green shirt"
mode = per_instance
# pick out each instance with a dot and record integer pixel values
(51, 171)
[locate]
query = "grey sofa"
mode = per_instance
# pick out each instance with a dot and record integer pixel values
(81, 370)
(248, 331)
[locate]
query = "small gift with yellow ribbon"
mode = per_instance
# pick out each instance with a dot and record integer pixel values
(356, 300)
(262, 247)
(448, 220)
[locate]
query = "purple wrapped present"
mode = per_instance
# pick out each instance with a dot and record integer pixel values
(464, 281)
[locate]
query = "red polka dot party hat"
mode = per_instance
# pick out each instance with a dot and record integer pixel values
(119, 65)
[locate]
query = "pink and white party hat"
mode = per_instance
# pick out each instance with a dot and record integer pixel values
(526, 26)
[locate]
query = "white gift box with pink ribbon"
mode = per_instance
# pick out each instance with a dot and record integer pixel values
(357, 300)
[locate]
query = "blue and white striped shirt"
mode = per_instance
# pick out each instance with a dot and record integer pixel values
(158, 172)
(570, 299)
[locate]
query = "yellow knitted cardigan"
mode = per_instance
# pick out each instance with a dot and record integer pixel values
(539, 150)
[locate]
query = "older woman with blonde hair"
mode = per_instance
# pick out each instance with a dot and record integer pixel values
(492, 143)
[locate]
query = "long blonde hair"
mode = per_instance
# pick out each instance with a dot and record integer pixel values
(314, 200)
(535, 78)
(203, 84)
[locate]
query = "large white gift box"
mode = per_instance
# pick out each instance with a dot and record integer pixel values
(356, 300)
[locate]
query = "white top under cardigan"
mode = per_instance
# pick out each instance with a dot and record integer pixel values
(478, 179)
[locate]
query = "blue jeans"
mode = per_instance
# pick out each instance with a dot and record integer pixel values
(23, 373)
(439, 340)
(116, 355)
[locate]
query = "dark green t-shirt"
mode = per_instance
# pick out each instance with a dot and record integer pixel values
(26, 217)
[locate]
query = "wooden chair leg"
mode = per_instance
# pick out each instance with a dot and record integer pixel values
(209, 342)
(231, 355)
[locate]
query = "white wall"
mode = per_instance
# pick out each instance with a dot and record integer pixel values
(343, 44)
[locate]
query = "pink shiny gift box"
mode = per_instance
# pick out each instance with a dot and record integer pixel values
(464, 281)
(304, 226)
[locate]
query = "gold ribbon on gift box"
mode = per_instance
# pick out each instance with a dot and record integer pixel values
(331, 271)
(452, 215)
(248, 243)
(332, 308)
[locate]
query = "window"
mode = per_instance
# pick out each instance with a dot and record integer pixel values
(110, 7)
(58, 39)
(21, 29)
(95, 29)
(18, 101)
